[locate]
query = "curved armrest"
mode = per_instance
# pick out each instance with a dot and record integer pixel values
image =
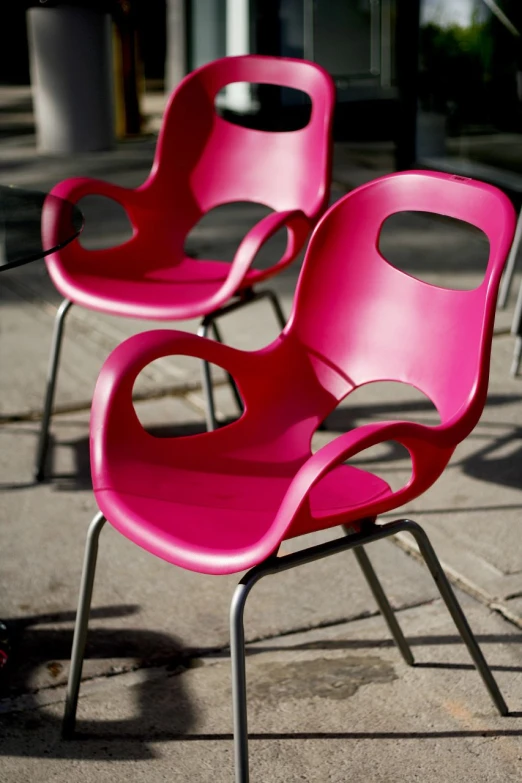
(112, 406)
(129, 358)
(427, 447)
(71, 191)
(75, 188)
(298, 229)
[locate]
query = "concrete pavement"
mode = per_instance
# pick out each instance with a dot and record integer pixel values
(329, 696)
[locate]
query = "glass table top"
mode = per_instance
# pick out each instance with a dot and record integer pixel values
(34, 224)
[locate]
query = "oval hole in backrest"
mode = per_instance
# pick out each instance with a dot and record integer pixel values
(434, 248)
(268, 107)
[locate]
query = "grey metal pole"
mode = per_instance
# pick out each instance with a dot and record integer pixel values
(239, 702)
(72, 77)
(516, 329)
(509, 271)
(52, 371)
(276, 305)
(81, 625)
(206, 380)
(454, 608)
(177, 55)
(308, 29)
(237, 656)
(233, 386)
(383, 604)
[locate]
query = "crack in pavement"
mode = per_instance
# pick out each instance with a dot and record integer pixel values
(85, 406)
(462, 582)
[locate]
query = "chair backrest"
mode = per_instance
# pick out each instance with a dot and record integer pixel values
(362, 320)
(203, 160)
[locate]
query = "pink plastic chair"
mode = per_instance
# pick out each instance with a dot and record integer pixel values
(202, 161)
(222, 502)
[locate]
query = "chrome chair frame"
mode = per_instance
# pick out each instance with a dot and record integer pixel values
(368, 533)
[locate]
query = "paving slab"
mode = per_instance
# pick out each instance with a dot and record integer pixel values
(26, 330)
(331, 704)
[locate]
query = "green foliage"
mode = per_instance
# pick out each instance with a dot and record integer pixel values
(455, 64)
(469, 74)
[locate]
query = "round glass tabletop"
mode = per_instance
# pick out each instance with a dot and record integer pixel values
(34, 224)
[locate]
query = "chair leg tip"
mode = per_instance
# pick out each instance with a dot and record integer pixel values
(68, 732)
(39, 475)
(68, 723)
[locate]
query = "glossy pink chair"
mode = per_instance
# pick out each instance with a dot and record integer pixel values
(202, 161)
(224, 501)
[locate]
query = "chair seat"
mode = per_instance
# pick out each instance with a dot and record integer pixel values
(214, 522)
(175, 291)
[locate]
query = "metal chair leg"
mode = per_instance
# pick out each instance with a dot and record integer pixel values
(276, 306)
(354, 541)
(516, 329)
(517, 356)
(237, 654)
(510, 265)
(233, 386)
(81, 625)
(454, 608)
(54, 359)
(206, 380)
(383, 604)
(208, 322)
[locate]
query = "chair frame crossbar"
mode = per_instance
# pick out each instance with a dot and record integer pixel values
(367, 533)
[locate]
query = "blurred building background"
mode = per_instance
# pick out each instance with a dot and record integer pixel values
(441, 79)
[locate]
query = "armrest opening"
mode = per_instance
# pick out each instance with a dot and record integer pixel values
(106, 223)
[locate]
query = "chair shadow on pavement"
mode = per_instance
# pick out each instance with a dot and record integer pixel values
(500, 462)
(163, 712)
(506, 729)
(160, 699)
